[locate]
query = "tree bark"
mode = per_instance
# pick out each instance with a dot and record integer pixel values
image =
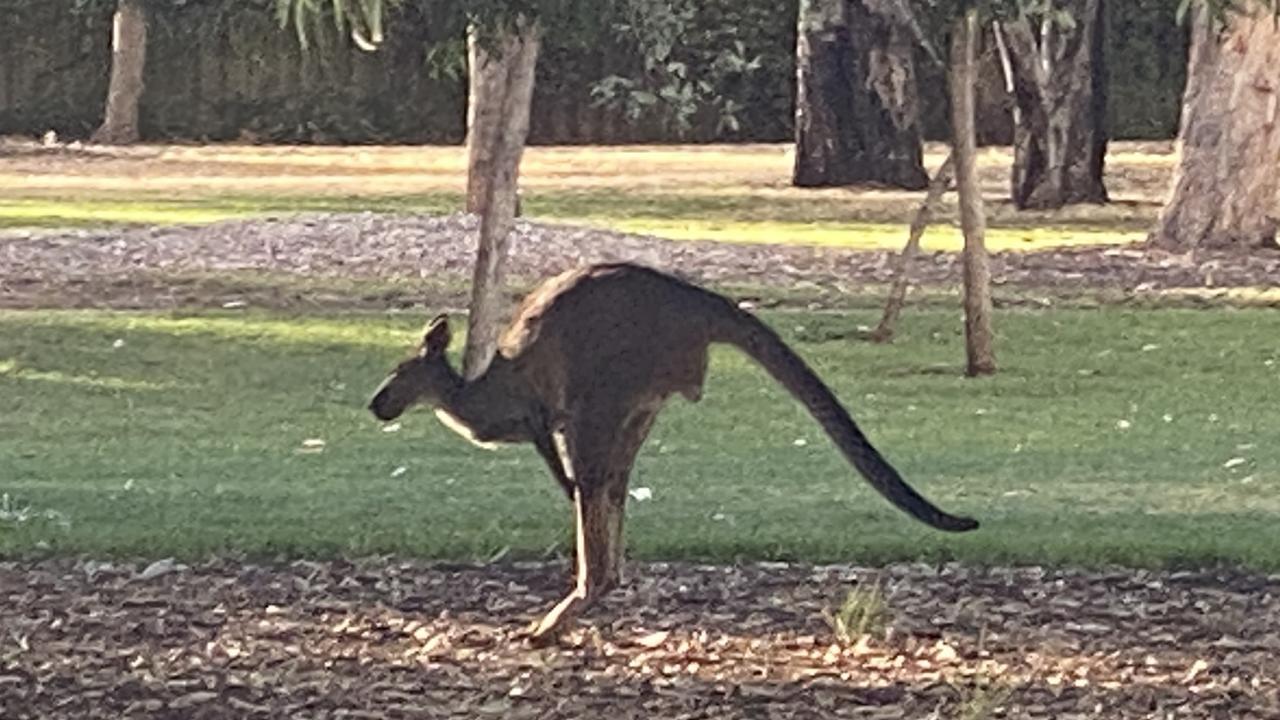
(128, 58)
(857, 115)
(902, 262)
(977, 272)
(1225, 186)
(1058, 79)
(502, 75)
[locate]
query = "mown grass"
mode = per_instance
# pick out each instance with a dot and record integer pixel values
(733, 193)
(1109, 436)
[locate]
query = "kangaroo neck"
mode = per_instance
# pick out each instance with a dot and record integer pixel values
(497, 397)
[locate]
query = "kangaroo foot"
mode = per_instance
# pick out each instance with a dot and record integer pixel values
(548, 629)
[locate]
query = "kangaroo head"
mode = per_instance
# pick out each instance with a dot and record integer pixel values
(424, 378)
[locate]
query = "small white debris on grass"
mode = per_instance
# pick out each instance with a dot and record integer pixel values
(1234, 462)
(312, 445)
(718, 517)
(1149, 347)
(119, 343)
(234, 304)
(399, 471)
(641, 494)
(1123, 424)
(1167, 418)
(800, 442)
(391, 427)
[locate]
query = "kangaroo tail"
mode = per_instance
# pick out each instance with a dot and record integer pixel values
(756, 339)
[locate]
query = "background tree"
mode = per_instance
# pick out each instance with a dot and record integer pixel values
(856, 113)
(901, 263)
(1225, 185)
(128, 60)
(977, 273)
(502, 44)
(1053, 56)
(502, 66)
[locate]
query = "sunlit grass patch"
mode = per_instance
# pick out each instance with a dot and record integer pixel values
(729, 193)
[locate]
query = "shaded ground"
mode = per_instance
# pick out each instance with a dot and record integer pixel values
(147, 266)
(387, 639)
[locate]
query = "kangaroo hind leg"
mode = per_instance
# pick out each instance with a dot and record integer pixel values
(601, 470)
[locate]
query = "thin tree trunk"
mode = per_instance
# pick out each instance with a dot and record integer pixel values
(1058, 78)
(1225, 186)
(902, 262)
(502, 76)
(857, 114)
(128, 59)
(977, 273)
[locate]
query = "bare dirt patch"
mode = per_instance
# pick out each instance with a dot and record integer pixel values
(146, 266)
(394, 639)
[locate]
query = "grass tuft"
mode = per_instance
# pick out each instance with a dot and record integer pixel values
(864, 613)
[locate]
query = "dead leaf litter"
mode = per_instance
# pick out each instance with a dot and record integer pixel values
(383, 638)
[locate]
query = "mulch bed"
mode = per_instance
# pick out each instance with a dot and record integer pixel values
(35, 266)
(389, 639)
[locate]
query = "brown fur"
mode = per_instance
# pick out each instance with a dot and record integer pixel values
(582, 372)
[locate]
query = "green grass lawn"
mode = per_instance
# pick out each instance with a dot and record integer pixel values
(1110, 436)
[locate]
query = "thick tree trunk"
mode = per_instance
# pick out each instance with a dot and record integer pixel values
(1225, 185)
(857, 116)
(1058, 79)
(902, 262)
(502, 75)
(977, 273)
(128, 58)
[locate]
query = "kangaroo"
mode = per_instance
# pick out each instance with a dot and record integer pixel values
(581, 373)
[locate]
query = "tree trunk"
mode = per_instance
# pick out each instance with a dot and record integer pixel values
(128, 58)
(1225, 186)
(977, 273)
(502, 75)
(902, 262)
(857, 115)
(1058, 79)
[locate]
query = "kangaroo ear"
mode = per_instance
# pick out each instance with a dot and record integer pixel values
(435, 339)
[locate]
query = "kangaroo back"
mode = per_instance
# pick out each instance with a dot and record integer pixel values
(744, 331)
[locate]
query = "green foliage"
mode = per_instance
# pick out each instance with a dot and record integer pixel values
(220, 67)
(675, 39)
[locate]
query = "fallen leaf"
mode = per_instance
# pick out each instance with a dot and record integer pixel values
(653, 639)
(157, 568)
